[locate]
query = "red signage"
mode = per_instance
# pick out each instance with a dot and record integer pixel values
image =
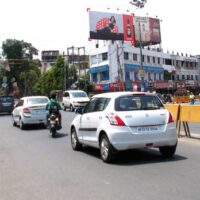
(128, 28)
(117, 86)
(161, 84)
(98, 87)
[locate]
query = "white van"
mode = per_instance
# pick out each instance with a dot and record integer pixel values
(73, 99)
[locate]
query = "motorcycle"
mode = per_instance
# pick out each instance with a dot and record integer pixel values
(54, 124)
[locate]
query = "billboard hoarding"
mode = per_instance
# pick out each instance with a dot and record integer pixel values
(150, 30)
(111, 26)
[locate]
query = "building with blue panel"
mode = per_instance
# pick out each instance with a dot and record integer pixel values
(120, 62)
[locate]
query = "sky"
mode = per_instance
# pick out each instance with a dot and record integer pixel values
(59, 24)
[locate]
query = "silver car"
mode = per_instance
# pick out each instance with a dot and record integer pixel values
(30, 110)
(124, 120)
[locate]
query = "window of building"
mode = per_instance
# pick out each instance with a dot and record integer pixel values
(148, 59)
(188, 77)
(196, 77)
(154, 60)
(168, 61)
(158, 60)
(154, 76)
(105, 56)
(126, 56)
(177, 77)
(183, 77)
(192, 77)
(142, 58)
(135, 57)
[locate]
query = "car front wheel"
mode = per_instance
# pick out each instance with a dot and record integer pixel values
(71, 108)
(167, 151)
(76, 145)
(106, 150)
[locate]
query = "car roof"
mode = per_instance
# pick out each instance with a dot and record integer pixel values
(74, 91)
(30, 97)
(117, 94)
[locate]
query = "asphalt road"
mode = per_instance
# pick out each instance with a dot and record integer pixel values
(34, 166)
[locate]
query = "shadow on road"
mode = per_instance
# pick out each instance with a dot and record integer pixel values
(60, 135)
(136, 156)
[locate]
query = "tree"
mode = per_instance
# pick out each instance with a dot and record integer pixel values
(51, 80)
(23, 69)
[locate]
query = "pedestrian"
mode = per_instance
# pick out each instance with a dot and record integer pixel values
(192, 98)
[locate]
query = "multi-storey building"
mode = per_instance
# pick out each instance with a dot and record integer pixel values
(48, 59)
(120, 66)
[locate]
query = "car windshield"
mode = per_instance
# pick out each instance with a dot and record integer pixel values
(6, 99)
(79, 94)
(137, 102)
(33, 101)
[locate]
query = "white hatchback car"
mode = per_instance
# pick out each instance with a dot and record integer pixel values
(124, 120)
(73, 99)
(30, 110)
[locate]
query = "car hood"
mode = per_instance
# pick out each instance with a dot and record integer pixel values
(81, 99)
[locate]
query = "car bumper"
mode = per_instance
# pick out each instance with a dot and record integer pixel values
(35, 120)
(122, 138)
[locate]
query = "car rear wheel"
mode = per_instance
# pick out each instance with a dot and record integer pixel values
(106, 150)
(76, 145)
(14, 123)
(21, 124)
(167, 151)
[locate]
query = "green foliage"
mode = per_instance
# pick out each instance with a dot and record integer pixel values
(51, 80)
(22, 66)
(181, 92)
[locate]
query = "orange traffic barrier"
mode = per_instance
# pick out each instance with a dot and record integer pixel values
(174, 109)
(189, 113)
(184, 114)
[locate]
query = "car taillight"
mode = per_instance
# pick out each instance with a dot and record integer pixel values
(170, 119)
(115, 120)
(26, 110)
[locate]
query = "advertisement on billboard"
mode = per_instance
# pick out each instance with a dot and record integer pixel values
(150, 30)
(111, 26)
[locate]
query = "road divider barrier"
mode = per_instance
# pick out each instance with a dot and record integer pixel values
(183, 114)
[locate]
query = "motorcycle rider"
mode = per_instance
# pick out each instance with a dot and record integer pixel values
(52, 103)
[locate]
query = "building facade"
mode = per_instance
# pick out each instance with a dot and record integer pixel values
(120, 66)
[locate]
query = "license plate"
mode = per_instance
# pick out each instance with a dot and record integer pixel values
(147, 129)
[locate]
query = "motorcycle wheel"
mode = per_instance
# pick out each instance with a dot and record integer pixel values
(53, 132)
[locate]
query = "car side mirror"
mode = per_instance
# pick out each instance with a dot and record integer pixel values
(79, 111)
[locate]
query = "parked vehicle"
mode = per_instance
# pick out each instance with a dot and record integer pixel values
(73, 99)
(30, 110)
(6, 104)
(120, 121)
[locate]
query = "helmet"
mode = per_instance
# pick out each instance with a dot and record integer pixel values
(53, 95)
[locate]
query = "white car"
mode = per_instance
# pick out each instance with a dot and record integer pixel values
(73, 99)
(124, 120)
(30, 110)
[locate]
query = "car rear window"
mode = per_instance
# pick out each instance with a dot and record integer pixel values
(33, 101)
(6, 99)
(137, 102)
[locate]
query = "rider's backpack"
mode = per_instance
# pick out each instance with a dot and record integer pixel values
(54, 107)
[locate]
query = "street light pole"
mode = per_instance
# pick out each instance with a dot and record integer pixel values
(140, 4)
